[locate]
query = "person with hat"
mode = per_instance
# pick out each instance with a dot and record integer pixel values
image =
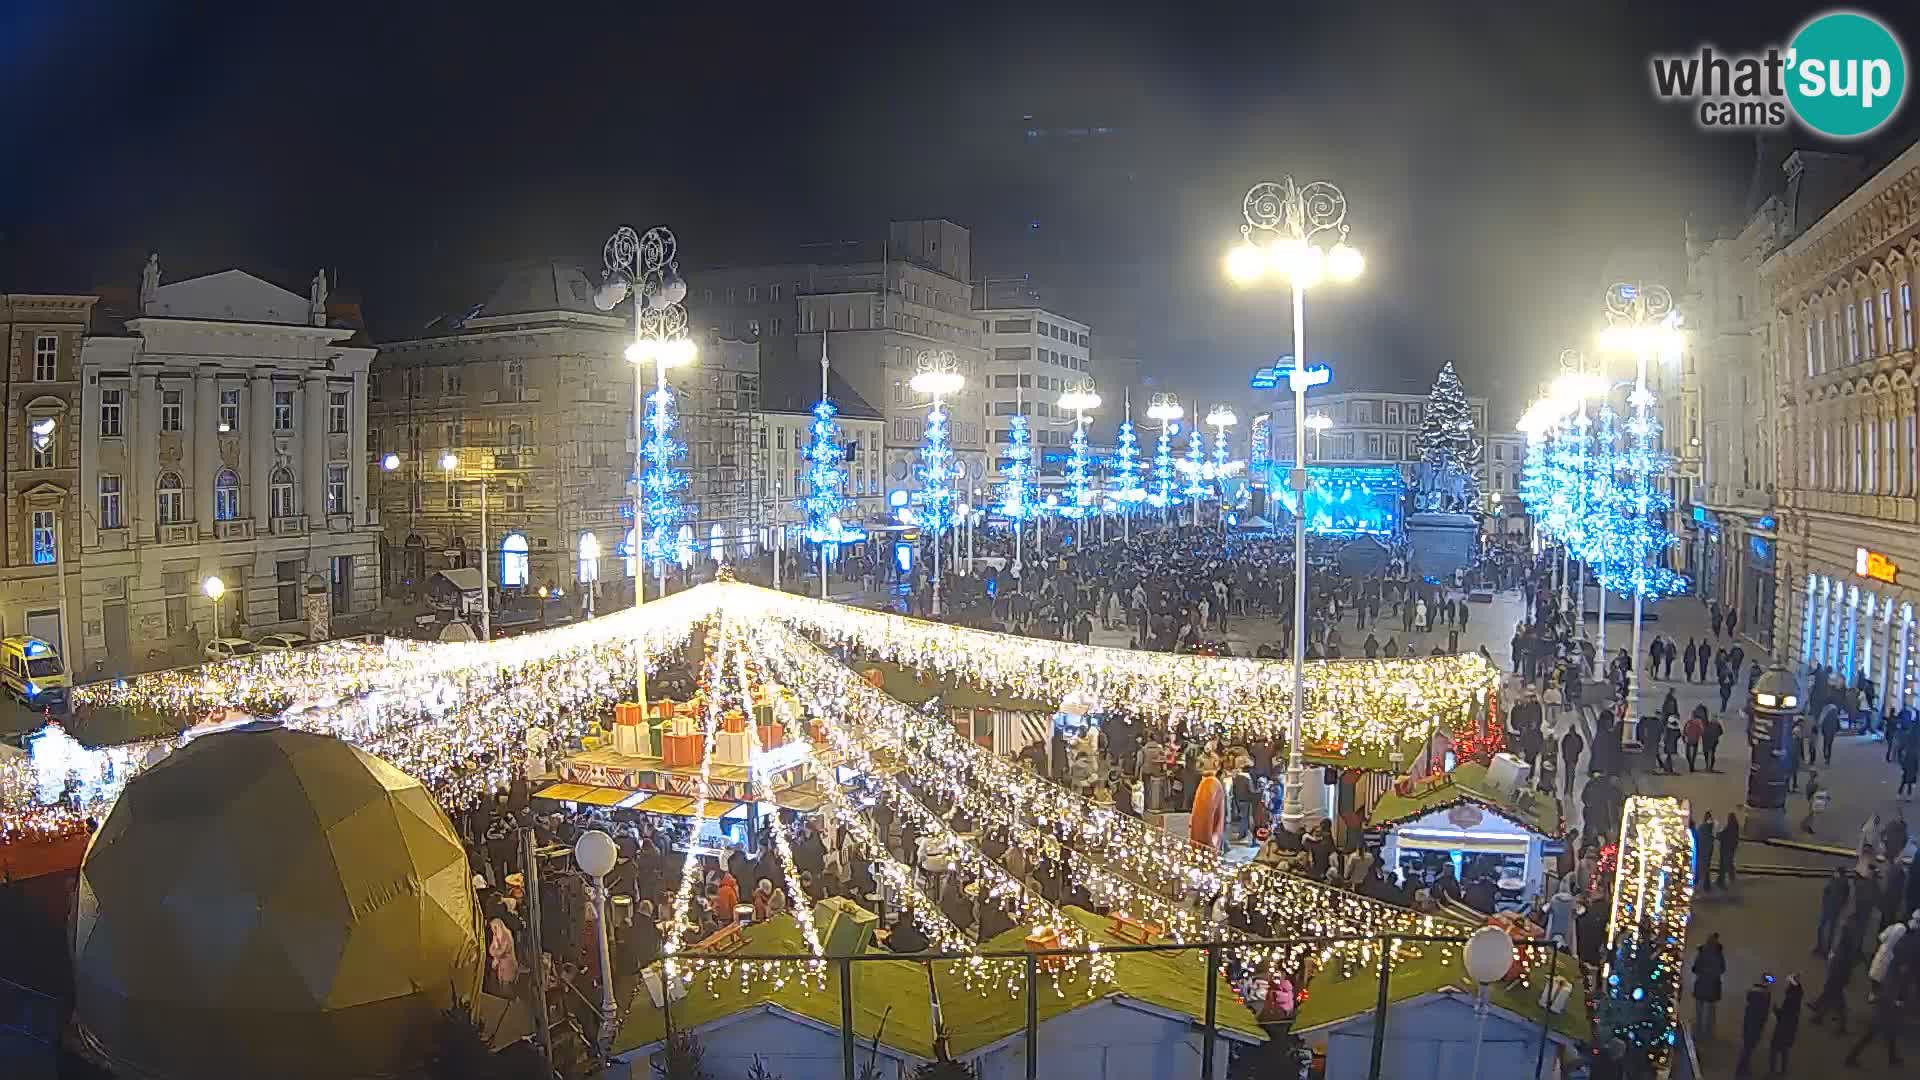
(1753, 1023)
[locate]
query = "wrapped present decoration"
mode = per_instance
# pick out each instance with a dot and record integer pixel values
(684, 725)
(626, 713)
(875, 678)
(661, 709)
(772, 735)
(732, 747)
(817, 732)
(733, 722)
(654, 733)
(1047, 939)
(681, 751)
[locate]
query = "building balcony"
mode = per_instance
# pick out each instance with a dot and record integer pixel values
(233, 529)
(291, 525)
(339, 523)
(176, 534)
(112, 539)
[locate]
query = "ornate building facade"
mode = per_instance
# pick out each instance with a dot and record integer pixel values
(1844, 362)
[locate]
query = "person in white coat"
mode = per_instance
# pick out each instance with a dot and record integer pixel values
(1420, 615)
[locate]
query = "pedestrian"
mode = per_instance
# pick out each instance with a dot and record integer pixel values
(1670, 742)
(1728, 844)
(1753, 1022)
(1717, 622)
(1886, 1016)
(1833, 903)
(1733, 622)
(1726, 691)
(1709, 969)
(1842, 958)
(1706, 658)
(1829, 730)
(1688, 658)
(1786, 1026)
(1571, 746)
(1817, 799)
(1704, 835)
(1710, 740)
(1909, 765)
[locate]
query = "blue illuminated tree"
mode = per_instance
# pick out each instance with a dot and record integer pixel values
(936, 475)
(1016, 490)
(1635, 562)
(1536, 487)
(660, 483)
(1080, 501)
(1127, 470)
(1195, 466)
(826, 477)
(1164, 494)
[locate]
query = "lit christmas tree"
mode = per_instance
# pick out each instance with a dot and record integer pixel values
(1016, 491)
(1164, 494)
(826, 477)
(1126, 470)
(1638, 565)
(1536, 487)
(1195, 466)
(1596, 519)
(1080, 501)
(936, 475)
(1449, 450)
(661, 482)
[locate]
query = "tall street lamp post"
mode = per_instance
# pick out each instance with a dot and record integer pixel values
(215, 589)
(646, 267)
(1289, 221)
(1220, 418)
(1642, 320)
(450, 464)
(1168, 411)
(938, 376)
(1080, 401)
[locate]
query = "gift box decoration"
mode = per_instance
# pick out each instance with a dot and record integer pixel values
(763, 714)
(1047, 939)
(732, 747)
(772, 735)
(685, 725)
(734, 721)
(681, 751)
(875, 678)
(661, 710)
(817, 732)
(654, 734)
(626, 713)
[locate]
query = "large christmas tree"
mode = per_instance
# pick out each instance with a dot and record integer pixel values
(1449, 449)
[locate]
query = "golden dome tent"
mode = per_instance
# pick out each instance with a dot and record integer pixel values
(270, 902)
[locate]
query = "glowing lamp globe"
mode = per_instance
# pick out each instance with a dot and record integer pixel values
(609, 295)
(270, 902)
(595, 853)
(1345, 263)
(1246, 264)
(1488, 955)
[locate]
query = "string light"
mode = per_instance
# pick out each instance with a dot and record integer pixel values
(1647, 927)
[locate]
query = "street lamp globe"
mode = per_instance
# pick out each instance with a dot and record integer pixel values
(1165, 408)
(1319, 422)
(214, 588)
(595, 853)
(1246, 263)
(1222, 416)
(641, 351)
(1080, 400)
(1344, 262)
(390, 462)
(449, 461)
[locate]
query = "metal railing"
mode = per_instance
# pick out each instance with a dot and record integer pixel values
(1217, 954)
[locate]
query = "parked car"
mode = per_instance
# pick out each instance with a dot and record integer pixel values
(281, 642)
(226, 648)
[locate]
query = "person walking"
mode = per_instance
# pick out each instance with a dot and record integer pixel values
(1733, 622)
(1729, 843)
(1885, 1023)
(1842, 958)
(1829, 730)
(1706, 658)
(1786, 1026)
(1753, 1022)
(1817, 799)
(1571, 746)
(1909, 765)
(1689, 658)
(1695, 730)
(1710, 740)
(1670, 735)
(1717, 621)
(1704, 835)
(1833, 904)
(1709, 971)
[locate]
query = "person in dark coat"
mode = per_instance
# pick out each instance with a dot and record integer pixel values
(1709, 968)
(1710, 734)
(1571, 745)
(1704, 835)
(1690, 658)
(1729, 841)
(1753, 1023)
(1786, 1026)
(1833, 904)
(1829, 731)
(1841, 960)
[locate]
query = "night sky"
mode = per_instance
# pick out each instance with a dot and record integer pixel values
(1496, 158)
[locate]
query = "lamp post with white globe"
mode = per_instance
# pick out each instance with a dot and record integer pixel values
(646, 267)
(1285, 224)
(1488, 956)
(595, 854)
(215, 589)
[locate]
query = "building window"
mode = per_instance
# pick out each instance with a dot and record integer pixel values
(229, 410)
(171, 499)
(513, 561)
(280, 493)
(109, 500)
(46, 358)
(1887, 336)
(456, 431)
(1906, 315)
(337, 412)
(1810, 354)
(336, 489)
(1853, 335)
(1866, 324)
(451, 383)
(110, 413)
(516, 437)
(753, 294)
(44, 549)
(42, 441)
(170, 410)
(283, 410)
(513, 496)
(226, 496)
(590, 554)
(773, 292)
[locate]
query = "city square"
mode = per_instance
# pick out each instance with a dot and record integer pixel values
(853, 586)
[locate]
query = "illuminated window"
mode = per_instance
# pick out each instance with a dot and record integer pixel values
(226, 496)
(46, 358)
(171, 499)
(513, 561)
(280, 488)
(230, 410)
(45, 549)
(109, 500)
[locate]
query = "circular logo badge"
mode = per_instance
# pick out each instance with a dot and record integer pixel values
(1847, 74)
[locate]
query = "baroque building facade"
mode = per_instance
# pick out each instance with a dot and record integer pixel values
(1844, 363)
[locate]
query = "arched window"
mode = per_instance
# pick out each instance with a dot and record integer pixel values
(516, 438)
(717, 543)
(280, 504)
(171, 499)
(746, 542)
(513, 561)
(226, 496)
(683, 550)
(589, 558)
(630, 552)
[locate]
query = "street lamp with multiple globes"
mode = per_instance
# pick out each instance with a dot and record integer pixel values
(937, 375)
(1643, 321)
(1220, 418)
(1285, 225)
(646, 267)
(1568, 403)
(1079, 400)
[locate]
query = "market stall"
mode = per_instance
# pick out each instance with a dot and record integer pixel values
(1479, 823)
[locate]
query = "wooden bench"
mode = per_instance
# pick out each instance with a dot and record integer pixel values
(1134, 931)
(729, 938)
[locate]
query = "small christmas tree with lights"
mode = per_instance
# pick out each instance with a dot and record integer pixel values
(1016, 489)
(661, 482)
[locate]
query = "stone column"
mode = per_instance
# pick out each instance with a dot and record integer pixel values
(143, 410)
(313, 447)
(260, 447)
(357, 453)
(205, 438)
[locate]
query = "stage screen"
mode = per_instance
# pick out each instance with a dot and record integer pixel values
(1346, 500)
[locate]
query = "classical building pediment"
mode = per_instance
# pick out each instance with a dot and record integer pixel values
(230, 295)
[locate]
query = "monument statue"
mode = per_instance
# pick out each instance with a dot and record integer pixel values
(150, 284)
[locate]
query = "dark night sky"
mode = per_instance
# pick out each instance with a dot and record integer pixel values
(1494, 156)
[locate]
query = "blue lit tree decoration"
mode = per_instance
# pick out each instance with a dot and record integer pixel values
(1638, 566)
(826, 476)
(661, 482)
(1079, 503)
(1195, 466)
(1016, 490)
(937, 375)
(1127, 470)
(1163, 496)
